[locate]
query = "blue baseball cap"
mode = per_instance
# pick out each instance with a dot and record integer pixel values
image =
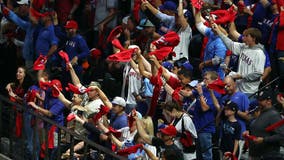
(187, 65)
(169, 5)
(168, 65)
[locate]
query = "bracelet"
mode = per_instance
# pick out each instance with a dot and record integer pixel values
(201, 95)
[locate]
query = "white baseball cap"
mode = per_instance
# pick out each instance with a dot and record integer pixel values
(119, 101)
(23, 2)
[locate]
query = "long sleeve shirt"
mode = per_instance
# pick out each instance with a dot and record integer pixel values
(28, 47)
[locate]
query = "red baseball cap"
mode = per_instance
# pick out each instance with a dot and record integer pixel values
(71, 24)
(169, 130)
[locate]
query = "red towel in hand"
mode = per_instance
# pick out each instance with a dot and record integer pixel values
(274, 126)
(162, 53)
(116, 43)
(157, 82)
(170, 39)
(218, 85)
(197, 4)
(44, 85)
(230, 155)
(123, 56)
(249, 137)
(64, 56)
(224, 16)
(103, 111)
(113, 131)
(75, 89)
(117, 30)
(70, 117)
(40, 62)
(131, 118)
(176, 96)
(95, 53)
(31, 95)
(129, 150)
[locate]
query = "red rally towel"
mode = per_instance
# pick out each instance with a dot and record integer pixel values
(75, 89)
(224, 16)
(176, 96)
(231, 156)
(103, 111)
(249, 137)
(50, 142)
(218, 86)
(116, 43)
(157, 82)
(129, 150)
(162, 53)
(197, 4)
(19, 120)
(117, 30)
(113, 131)
(274, 126)
(31, 95)
(170, 39)
(70, 117)
(39, 64)
(123, 56)
(64, 56)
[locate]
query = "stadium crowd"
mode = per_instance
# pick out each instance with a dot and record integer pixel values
(148, 79)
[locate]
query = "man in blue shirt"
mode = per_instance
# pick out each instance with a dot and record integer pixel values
(242, 102)
(46, 43)
(215, 50)
(76, 47)
(52, 108)
(204, 116)
(119, 118)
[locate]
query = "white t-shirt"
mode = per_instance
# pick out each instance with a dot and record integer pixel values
(93, 107)
(134, 82)
(181, 49)
(188, 126)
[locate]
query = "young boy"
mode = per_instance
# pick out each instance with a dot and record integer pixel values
(230, 129)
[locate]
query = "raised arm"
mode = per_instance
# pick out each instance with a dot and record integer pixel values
(102, 96)
(157, 64)
(181, 18)
(74, 77)
(142, 69)
(142, 132)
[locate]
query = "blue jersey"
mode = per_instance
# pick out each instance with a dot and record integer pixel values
(55, 106)
(46, 38)
(205, 121)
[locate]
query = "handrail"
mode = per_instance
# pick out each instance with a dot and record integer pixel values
(79, 137)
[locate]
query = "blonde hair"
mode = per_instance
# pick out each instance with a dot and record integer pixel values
(149, 127)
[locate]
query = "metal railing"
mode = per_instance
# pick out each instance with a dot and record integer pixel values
(7, 134)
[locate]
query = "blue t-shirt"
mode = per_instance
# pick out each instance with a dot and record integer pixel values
(148, 91)
(55, 106)
(46, 38)
(205, 121)
(242, 102)
(263, 19)
(118, 122)
(214, 48)
(77, 46)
